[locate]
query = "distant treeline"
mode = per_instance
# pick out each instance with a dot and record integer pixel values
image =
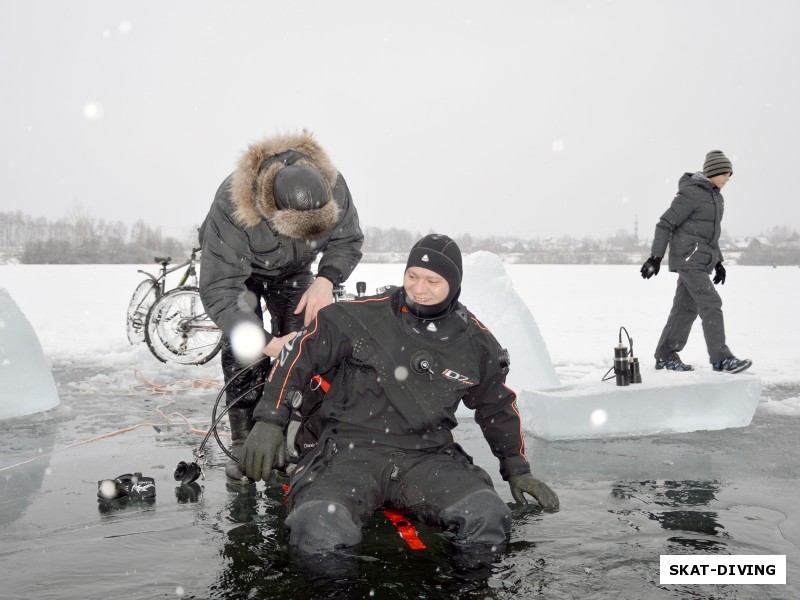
(80, 238)
(620, 248)
(779, 246)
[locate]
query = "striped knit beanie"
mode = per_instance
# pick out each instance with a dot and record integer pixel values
(717, 164)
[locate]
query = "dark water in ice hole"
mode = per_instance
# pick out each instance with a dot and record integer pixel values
(624, 502)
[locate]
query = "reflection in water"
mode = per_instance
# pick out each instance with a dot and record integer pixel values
(112, 508)
(23, 438)
(679, 495)
(255, 548)
(188, 493)
(668, 493)
(18, 488)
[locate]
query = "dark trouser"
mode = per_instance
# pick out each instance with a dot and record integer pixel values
(695, 295)
(282, 297)
(338, 486)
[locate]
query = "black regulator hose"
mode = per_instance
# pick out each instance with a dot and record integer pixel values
(215, 420)
(188, 472)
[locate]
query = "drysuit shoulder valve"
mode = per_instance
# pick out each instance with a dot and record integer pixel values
(421, 362)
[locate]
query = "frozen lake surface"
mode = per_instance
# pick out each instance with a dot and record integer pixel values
(624, 501)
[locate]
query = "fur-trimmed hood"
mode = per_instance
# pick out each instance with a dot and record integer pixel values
(252, 186)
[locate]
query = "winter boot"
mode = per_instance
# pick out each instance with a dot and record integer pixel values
(732, 365)
(241, 420)
(673, 365)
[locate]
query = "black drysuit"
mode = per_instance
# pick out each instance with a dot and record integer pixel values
(388, 418)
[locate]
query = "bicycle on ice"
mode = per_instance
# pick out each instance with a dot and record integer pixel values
(173, 323)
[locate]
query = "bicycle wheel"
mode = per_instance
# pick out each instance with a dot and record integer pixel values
(179, 330)
(141, 302)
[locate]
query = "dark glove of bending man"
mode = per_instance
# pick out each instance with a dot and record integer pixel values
(264, 446)
(650, 267)
(719, 273)
(528, 484)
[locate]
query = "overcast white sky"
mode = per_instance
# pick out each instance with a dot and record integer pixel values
(529, 118)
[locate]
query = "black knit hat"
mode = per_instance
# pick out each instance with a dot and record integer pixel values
(441, 255)
(717, 164)
(300, 187)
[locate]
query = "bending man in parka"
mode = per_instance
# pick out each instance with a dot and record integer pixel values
(406, 358)
(284, 204)
(692, 226)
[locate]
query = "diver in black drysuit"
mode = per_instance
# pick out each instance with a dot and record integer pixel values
(405, 362)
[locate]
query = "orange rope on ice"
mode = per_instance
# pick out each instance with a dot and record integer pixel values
(94, 439)
(168, 419)
(156, 426)
(146, 386)
(168, 388)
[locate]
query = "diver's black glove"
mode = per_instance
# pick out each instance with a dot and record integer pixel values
(650, 267)
(719, 273)
(263, 448)
(528, 484)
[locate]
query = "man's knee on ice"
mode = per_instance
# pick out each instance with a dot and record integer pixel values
(318, 526)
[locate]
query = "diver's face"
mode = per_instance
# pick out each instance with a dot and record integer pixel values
(424, 286)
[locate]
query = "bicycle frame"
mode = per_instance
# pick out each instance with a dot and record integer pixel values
(160, 282)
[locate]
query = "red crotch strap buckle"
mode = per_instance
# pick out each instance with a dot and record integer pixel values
(405, 529)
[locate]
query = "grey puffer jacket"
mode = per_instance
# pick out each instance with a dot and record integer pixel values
(246, 235)
(691, 225)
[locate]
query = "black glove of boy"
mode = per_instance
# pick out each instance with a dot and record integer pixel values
(719, 273)
(650, 267)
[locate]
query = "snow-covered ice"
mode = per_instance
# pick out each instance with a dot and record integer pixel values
(26, 383)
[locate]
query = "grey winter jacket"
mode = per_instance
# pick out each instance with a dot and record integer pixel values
(691, 225)
(246, 235)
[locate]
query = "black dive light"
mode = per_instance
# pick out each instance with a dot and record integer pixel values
(626, 365)
(621, 370)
